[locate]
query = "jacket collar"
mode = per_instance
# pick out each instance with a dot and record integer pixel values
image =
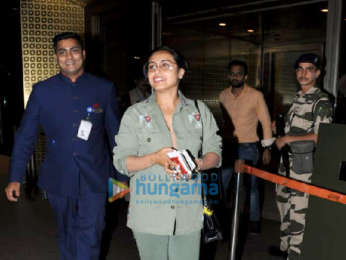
(183, 101)
(310, 91)
(67, 80)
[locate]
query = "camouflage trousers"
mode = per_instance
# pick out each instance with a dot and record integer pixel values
(292, 206)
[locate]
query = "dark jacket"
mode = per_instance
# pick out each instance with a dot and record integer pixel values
(58, 106)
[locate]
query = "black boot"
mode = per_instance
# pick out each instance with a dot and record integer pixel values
(276, 251)
(255, 227)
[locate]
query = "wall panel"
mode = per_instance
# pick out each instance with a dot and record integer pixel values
(40, 21)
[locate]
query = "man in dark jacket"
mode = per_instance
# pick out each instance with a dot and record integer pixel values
(75, 110)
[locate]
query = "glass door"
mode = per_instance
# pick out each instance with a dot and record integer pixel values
(269, 39)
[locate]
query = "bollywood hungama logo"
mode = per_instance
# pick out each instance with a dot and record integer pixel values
(156, 184)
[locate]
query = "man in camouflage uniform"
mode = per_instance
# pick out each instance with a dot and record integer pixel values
(310, 107)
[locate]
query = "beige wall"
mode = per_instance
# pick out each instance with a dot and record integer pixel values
(40, 21)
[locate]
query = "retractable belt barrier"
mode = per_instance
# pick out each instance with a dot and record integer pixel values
(296, 185)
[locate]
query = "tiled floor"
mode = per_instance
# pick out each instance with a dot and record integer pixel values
(27, 232)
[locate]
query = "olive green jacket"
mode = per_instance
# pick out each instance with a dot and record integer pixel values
(158, 204)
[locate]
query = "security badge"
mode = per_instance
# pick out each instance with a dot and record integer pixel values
(84, 129)
(85, 125)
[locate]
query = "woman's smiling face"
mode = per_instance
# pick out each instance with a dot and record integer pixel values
(163, 71)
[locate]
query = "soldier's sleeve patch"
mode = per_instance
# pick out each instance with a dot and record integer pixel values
(323, 110)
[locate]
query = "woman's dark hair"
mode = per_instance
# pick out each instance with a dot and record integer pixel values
(67, 35)
(178, 58)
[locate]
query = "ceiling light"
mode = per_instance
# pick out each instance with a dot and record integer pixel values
(250, 30)
(136, 57)
(324, 10)
(222, 24)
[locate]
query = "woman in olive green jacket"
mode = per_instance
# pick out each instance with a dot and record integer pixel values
(165, 213)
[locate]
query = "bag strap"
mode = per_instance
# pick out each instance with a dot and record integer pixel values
(314, 104)
(197, 107)
(204, 197)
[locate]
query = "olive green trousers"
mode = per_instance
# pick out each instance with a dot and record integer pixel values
(177, 247)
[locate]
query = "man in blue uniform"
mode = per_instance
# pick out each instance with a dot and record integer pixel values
(75, 110)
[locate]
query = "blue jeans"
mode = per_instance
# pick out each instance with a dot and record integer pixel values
(250, 154)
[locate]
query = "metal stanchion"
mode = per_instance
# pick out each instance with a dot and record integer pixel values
(235, 222)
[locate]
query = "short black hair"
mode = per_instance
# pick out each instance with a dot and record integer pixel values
(67, 35)
(178, 58)
(238, 63)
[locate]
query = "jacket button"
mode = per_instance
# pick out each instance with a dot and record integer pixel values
(172, 207)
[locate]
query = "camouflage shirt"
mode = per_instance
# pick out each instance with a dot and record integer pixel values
(307, 112)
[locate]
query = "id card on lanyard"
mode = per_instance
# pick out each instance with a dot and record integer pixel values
(84, 129)
(85, 126)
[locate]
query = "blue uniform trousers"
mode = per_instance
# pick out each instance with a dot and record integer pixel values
(80, 222)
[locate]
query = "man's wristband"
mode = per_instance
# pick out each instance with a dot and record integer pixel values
(267, 142)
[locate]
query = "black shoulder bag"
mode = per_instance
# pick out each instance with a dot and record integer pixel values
(211, 228)
(303, 152)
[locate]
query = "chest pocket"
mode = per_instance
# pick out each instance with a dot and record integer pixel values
(97, 118)
(302, 117)
(151, 140)
(190, 137)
